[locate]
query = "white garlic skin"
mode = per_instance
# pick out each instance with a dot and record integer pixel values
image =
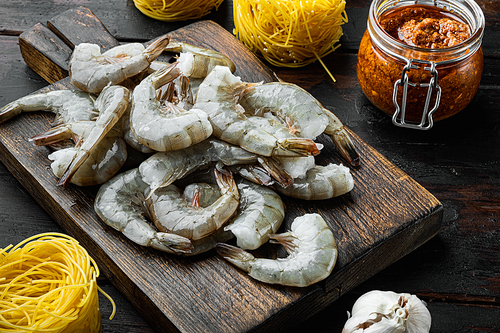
(388, 312)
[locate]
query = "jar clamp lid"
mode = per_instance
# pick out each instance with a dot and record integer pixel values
(417, 58)
(426, 122)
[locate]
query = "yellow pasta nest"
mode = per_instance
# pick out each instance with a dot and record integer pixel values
(176, 10)
(48, 284)
(290, 33)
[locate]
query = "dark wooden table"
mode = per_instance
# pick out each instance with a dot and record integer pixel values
(457, 272)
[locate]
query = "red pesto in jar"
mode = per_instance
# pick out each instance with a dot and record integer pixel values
(425, 27)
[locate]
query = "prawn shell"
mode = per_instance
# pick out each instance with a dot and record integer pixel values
(160, 130)
(313, 259)
(294, 106)
(68, 105)
(172, 213)
(320, 183)
(260, 214)
(118, 204)
(312, 255)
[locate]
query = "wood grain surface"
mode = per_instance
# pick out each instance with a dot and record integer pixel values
(384, 218)
(456, 272)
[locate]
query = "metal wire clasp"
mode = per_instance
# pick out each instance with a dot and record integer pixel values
(426, 121)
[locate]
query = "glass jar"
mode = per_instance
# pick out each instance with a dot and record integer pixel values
(416, 85)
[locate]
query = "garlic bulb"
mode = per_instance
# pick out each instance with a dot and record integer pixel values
(388, 312)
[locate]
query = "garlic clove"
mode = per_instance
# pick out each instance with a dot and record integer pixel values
(420, 320)
(377, 301)
(388, 312)
(374, 324)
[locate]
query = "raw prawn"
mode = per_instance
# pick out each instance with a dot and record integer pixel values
(196, 62)
(130, 138)
(68, 105)
(120, 203)
(293, 106)
(301, 112)
(172, 213)
(112, 103)
(103, 162)
(91, 71)
(218, 96)
(160, 128)
(320, 182)
(312, 255)
(163, 168)
(260, 212)
(203, 195)
(296, 167)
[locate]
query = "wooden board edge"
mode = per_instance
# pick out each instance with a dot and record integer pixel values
(48, 67)
(81, 17)
(396, 247)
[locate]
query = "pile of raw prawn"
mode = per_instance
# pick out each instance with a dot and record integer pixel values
(246, 141)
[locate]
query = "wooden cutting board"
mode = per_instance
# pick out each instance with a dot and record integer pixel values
(386, 216)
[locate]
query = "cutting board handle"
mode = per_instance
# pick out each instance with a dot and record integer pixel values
(47, 49)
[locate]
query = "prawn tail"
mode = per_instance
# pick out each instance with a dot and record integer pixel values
(77, 161)
(254, 173)
(171, 243)
(297, 147)
(165, 75)
(195, 201)
(346, 147)
(157, 47)
(225, 181)
(276, 170)
(9, 111)
(286, 239)
(174, 47)
(341, 138)
(52, 136)
(235, 255)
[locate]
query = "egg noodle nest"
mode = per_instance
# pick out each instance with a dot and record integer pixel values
(290, 33)
(176, 10)
(48, 284)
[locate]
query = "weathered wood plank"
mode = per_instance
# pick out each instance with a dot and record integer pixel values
(447, 169)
